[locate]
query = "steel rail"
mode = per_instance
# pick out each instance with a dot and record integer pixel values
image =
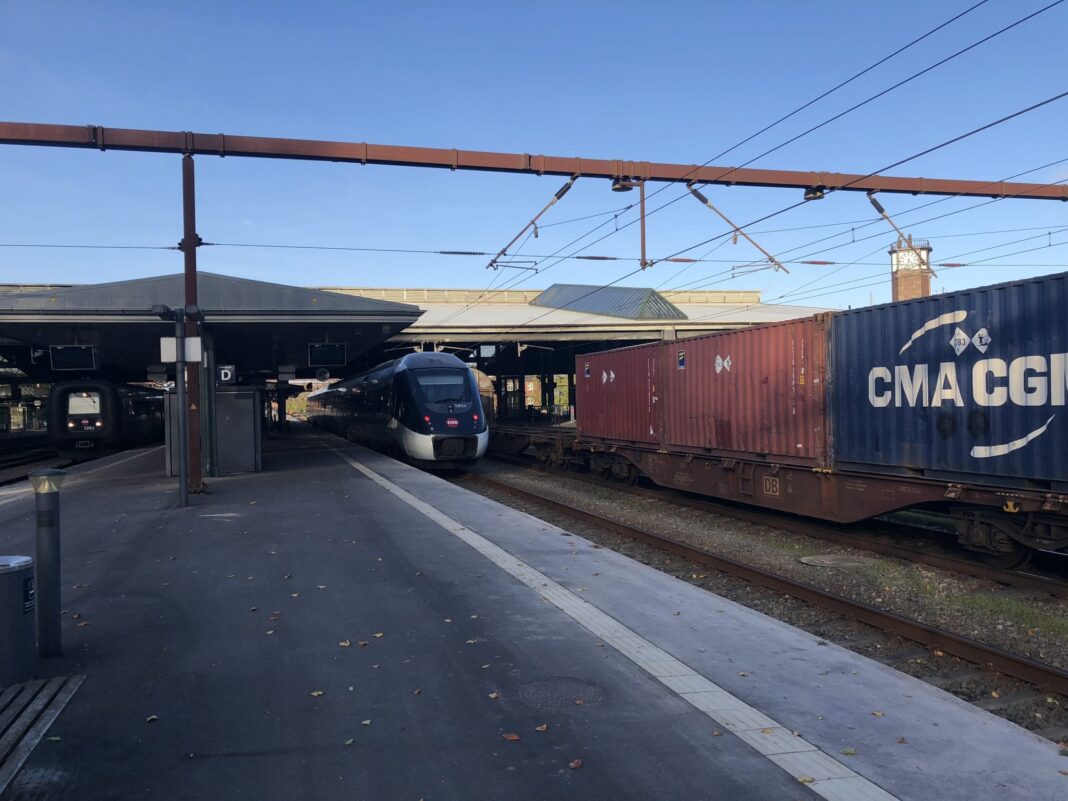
(189, 143)
(1028, 670)
(831, 533)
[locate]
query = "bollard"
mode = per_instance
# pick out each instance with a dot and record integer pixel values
(46, 484)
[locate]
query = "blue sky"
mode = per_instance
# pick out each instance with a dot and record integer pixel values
(674, 82)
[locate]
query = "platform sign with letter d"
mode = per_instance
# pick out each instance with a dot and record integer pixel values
(226, 374)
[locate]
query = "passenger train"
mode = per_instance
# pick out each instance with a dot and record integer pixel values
(424, 406)
(96, 417)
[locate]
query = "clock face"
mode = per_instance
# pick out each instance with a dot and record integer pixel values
(906, 260)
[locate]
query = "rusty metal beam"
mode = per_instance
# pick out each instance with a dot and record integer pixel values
(91, 136)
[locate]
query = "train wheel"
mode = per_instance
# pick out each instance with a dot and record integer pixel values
(994, 538)
(1016, 559)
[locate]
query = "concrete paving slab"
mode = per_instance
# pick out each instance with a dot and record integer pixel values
(921, 739)
(302, 634)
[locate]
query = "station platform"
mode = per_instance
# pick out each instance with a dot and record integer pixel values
(345, 626)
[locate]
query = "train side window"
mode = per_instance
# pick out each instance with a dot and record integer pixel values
(682, 360)
(586, 370)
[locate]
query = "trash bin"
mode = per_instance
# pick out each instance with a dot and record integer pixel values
(18, 601)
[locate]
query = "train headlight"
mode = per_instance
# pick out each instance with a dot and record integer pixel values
(99, 424)
(70, 424)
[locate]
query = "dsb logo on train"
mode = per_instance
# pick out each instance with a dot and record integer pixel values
(975, 381)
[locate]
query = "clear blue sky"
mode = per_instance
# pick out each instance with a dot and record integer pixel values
(671, 81)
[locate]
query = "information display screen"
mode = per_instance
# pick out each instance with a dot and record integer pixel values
(327, 354)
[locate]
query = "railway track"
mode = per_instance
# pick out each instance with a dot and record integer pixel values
(838, 534)
(1036, 674)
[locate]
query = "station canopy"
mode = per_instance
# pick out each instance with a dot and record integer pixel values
(256, 326)
(633, 303)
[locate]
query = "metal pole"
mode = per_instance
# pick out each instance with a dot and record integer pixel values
(641, 190)
(183, 432)
(46, 484)
(190, 243)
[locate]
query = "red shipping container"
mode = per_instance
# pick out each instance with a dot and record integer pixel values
(755, 392)
(618, 394)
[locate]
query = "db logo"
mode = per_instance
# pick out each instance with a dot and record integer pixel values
(771, 485)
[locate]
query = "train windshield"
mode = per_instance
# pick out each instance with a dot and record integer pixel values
(83, 403)
(444, 386)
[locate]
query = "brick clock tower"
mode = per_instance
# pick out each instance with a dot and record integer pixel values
(910, 268)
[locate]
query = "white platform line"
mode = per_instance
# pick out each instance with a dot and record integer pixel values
(824, 774)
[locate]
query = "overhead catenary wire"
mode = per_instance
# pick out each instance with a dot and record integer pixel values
(523, 278)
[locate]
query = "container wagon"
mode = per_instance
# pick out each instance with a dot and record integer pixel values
(954, 403)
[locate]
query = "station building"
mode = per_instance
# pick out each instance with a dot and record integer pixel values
(274, 336)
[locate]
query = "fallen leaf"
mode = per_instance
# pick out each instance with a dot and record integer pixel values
(345, 643)
(448, 620)
(365, 723)
(767, 731)
(76, 616)
(878, 714)
(288, 576)
(474, 617)
(294, 595)
(494, 695)
(82, 624)
(1063, 772)
(599, 644)
(510, 737)
(378, 635)
(362, 643)
(575, 763)
(717, 733)
(320, 586)
(416, 691)
(995, 694)
(742, 673)
(676, 613)
(902, 741)
(485, 666)
(252, 609)
(151, 718)
(579, 702)
(376, 666)
(542, 727)
(805, 779)
(349, 741)
(938, 653)
(472, 642)
(269, 631)
(315, 693)
(848, 752)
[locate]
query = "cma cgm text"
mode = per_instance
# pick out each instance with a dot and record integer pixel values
(1024, 381)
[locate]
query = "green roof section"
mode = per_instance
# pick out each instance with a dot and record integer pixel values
(631, 303)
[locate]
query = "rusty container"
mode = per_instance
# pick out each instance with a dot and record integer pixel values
(969, 385)
(618, 394)
(755, 393)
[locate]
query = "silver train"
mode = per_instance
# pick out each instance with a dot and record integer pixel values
(424, 406)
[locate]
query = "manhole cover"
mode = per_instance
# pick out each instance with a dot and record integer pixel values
(559, 692)
(834, 560)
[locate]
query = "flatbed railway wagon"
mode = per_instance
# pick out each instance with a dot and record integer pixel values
(954, 403)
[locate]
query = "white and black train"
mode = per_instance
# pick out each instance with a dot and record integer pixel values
(425, 406)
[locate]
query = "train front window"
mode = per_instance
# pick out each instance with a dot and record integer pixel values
(83, 403)
(444, 386)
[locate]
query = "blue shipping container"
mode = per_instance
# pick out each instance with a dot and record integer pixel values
(972, 382)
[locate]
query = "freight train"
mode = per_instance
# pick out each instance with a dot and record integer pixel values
(425, 407)
(88, 418)
(954, 403)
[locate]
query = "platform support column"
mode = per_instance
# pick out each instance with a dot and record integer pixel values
(189, 244)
